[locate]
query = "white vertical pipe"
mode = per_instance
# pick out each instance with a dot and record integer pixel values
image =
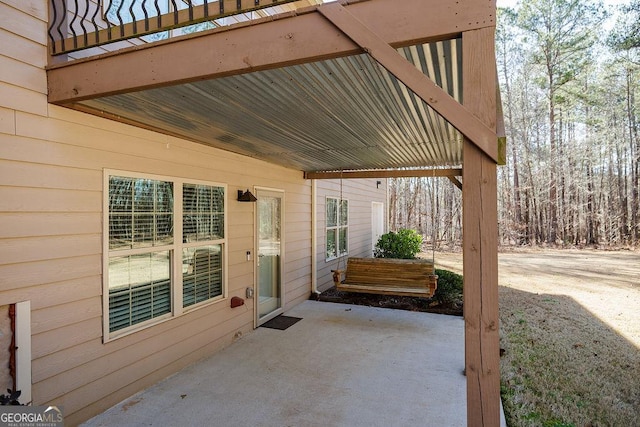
(314, 240)
(23, 350)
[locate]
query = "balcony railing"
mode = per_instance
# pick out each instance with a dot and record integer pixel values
(81, 24)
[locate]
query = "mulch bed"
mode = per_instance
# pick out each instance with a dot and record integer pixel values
(389, 301)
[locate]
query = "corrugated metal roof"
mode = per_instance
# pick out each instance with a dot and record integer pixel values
(340, 114)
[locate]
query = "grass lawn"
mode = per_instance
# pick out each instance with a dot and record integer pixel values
(570, 330)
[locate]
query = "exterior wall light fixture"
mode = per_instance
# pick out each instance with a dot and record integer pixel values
(246, 196)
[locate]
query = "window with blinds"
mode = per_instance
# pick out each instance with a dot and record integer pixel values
(143, 274)
(337, 228)
(202, 222)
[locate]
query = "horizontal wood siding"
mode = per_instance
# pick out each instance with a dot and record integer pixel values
(35, 8)
(30, 74)
(22, 22)
(22, 99)
(297, 233)
(13, 251)
(7, 121)
(52, 162)
(22, 49)
(360, 193)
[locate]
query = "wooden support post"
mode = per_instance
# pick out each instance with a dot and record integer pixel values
(480, 237)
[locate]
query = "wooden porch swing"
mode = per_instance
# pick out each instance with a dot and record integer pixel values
(389, 276)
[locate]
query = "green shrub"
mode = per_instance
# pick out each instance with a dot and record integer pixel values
(404, 244)
(449, 288)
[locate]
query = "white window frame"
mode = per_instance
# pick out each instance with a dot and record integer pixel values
(337, 228)
(175, 249)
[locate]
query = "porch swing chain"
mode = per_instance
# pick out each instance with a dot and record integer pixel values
(433, 219)
(339, 212)
(337, 273)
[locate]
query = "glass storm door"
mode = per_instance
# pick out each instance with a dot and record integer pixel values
(269, 259)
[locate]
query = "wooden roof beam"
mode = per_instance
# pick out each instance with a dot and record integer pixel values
(301, 37)
(403, 173)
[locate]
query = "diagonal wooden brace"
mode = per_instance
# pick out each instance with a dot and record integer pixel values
(452, 111)
(455, 181)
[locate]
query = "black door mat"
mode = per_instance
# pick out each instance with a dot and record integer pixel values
(281, 322)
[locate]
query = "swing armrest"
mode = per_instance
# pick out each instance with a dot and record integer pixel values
(337, 276)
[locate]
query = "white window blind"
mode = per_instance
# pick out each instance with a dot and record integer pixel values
(203, 221)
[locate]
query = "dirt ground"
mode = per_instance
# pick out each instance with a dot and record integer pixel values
(606, 283)
(390, 301)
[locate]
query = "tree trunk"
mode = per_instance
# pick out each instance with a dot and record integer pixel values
(553, 190)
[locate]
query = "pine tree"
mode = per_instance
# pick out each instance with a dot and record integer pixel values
(562, 33)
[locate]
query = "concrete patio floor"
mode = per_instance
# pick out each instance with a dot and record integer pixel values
(342, 365)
